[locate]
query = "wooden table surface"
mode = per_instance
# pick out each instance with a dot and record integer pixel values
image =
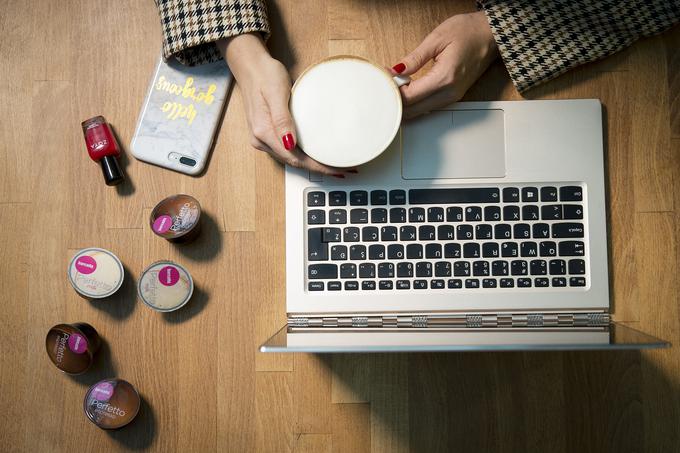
(204, 385)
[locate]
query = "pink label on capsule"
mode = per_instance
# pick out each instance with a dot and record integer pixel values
(86, 264)
(77, 343)
(162, 224)
(169, 275)
(102, 391)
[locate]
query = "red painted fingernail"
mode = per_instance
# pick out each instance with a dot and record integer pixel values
(288, 141)
(338, 175)
(353, 171)
(399, 68)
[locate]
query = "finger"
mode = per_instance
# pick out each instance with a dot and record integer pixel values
(439, 99)
(281, 118)
(423, 87)
(412, 62)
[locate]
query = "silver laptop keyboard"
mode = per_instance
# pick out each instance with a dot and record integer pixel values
(501, 238)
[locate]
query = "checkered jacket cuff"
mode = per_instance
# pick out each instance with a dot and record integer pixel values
(541, 39)
(191, 27)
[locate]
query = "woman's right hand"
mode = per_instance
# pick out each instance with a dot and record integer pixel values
(265, 87)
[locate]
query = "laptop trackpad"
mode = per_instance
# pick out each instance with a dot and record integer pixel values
(454, 144)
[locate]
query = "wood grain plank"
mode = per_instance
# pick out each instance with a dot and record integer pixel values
(312, 388)
(312, 443)
(389, 397)
(273, 409)
(672, 43)
(351, 428)
(347, 19)
(351, 382)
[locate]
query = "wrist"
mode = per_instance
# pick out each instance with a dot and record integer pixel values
(243, 53)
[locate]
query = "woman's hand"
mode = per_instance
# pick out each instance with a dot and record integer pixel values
(462, 48)
(265, 87)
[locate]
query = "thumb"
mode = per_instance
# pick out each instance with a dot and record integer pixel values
(282, 120)
(412, 62)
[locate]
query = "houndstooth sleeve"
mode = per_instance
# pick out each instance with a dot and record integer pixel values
(191, 27)
(541, 39)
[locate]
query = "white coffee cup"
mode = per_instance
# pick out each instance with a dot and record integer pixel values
(347, 110)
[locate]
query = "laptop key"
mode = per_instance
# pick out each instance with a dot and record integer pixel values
(351, 286)
(454, 195)
(316, 217)
(369, 234)
(490, 250)
(385, 284)
(573, 211)
(388, 233)
(528, 249)
(435, 214)
(538, 267)
(386, 270)
(337, 198)
(492, 213)
(461, 269)
(358, 215)
(577, 281)
(397, 215)
(471, 250)
(397, 197)
(548, 193)
(378, 197)
(426, 233)
(348, 270)
(551, 212)
(483, 231)
(403, 284)
(322, 271)
(446, 233)
(376, 252)
(452, 250)
(366, 270)
(331, 235)
(315, 286)
(507, 283)
(334, 286)
(524, 283)
(511, 213)
(416, 215)
(405, 270)
(357, 252)
(489, 283)
(499, 268)
(316, 199)
(464, 232)
(558, 267)
(437, 284)
(350, 234)
(339, 253)
(571, 193)
(424, 269)
(419, 284)
(473, 214)
(571, 248)
(442, 269)
(454, 283)
(395, 251)
(471, 283)
(522, 231)
(414, 251)
(567, 230)
(540, 230)
(368, 285)
(378, 215)
(480, 268)
(407, 233)
(317, 250)
(559, 282)
(337, 216)
(509, 250)
(530, 212)
(547, 248)
(454, 214)
(502, 231)
(541, 282)
(358, 198)
(433, 251)
(510, 195)
(519, 267)
(577, 267)
(529, 194)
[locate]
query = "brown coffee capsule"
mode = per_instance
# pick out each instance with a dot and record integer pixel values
(176, 218)
(111, 403)
(71, 347)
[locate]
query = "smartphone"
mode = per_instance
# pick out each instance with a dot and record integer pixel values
(183, 106)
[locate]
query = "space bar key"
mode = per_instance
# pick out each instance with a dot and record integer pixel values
(454, 196)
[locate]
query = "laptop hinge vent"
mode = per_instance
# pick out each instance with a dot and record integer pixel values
(471, 321)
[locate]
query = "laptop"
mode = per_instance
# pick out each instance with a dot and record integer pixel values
(481, 227)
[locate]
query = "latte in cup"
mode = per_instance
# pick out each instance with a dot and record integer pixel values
(347, 110)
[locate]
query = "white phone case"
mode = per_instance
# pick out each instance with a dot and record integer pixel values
(183, 106)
